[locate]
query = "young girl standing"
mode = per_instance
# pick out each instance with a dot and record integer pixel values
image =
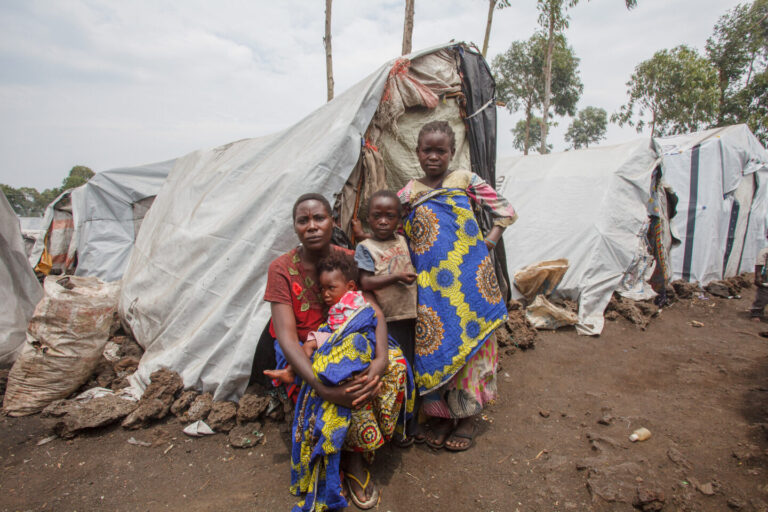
(459, 301)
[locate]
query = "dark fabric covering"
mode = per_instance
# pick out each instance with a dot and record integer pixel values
(479, 87)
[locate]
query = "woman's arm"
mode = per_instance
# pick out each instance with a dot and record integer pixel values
(349, 395)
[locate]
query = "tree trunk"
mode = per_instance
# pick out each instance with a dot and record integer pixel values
(408, 27)
(547, 84)
(328, 54)
(527, 144)
(491, 5)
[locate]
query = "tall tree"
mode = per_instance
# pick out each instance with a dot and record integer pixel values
(676, 88)
(492, 4)
(588, 128)
(520, 81)
(738, 48)
(554, 19)
(408, 27)
(77, 176)
(328, 53)
(527, 134)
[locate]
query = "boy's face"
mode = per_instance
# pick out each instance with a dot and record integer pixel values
(383, 217)
(333, 286)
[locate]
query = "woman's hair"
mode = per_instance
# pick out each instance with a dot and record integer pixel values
(437, 126)
(389, 195)
(312, 196)
(338, 261)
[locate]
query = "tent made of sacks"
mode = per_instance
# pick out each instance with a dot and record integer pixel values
(193, 290)
(721, 179)
(19, 288)
(90, 230)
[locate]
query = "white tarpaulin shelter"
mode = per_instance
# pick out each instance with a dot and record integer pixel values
(720, 178)
(94, 226)
(193, 291)
(589, 206)
(19, 289)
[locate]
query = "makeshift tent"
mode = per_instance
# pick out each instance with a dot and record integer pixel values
(91, 229)
(19, 289)
(720, 178)
(591, 207)
(192, 293)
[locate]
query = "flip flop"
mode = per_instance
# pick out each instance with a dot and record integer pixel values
(459, 435)
(370, 502)
(443, 430)
(403, 442)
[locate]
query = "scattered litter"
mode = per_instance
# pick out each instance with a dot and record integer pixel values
(138, 443)
(90, 394)
(542, 314)
(694, 323)
(46, 440)
(640, 434)
(111, 352)
(168, 449)
(198, 429)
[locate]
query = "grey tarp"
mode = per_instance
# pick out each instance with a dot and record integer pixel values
(19, 289)
(589, 206)
(721, 178)
(193, 290)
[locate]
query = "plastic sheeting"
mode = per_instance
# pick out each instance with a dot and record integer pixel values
(720, 178)
(19, 289)
(589, 206)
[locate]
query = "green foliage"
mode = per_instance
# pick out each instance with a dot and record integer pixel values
(588, 128)
(738, 48)
(528, 135)
(519, 74)
(28, 202)
(676, 88)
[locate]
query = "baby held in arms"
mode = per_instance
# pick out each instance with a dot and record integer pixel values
(337, 276)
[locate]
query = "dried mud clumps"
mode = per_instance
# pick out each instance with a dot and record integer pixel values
(639, 313)
(685, 290)
(199, 408)
(98, 412)
(517, 331)
(222, 416)
(157, 399)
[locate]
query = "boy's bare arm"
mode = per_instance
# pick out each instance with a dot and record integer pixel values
(368, 281)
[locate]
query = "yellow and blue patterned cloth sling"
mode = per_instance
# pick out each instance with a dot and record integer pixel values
(459, 301)
(320, 427)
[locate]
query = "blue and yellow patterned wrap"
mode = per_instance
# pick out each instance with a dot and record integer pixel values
(459, 301)
(320, 428)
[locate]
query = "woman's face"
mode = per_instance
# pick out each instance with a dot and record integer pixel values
(313, 225)
(435, 153)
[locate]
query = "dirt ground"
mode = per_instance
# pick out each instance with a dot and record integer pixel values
(555, 440)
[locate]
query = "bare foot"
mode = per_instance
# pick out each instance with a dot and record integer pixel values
(438, 432)
(285, 376)
(463, 436)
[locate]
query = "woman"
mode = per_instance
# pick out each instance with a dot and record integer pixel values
(297, 308)
(459, 302)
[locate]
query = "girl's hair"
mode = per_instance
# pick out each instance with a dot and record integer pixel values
(437, 126)
(389, 195)
(338, 261)
(312, 196)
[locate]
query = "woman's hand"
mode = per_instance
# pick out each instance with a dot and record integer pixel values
(352, 394)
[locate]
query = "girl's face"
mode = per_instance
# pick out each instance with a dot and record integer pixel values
(435, 153)
(313, 225)
(333, 286)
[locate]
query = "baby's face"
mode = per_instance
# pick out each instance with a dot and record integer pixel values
(333, 286)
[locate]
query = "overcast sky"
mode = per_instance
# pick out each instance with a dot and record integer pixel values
(116, 84)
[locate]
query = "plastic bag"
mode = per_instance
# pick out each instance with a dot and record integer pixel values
(65, 339)
(542, 314)
(540, 278)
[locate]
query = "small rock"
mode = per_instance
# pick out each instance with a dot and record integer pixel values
(222, 416)
(95, 413)
(251, 408)
(246, 435)
(649, 498)
(678, 458)
(735, 503)
(607, 417)
(181, 404)
(198, 409)
(694, 323)
(544, 413)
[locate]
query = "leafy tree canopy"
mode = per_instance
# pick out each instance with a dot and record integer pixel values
(588, 128)
(533, 138)
(675, 91)
(28, 202)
